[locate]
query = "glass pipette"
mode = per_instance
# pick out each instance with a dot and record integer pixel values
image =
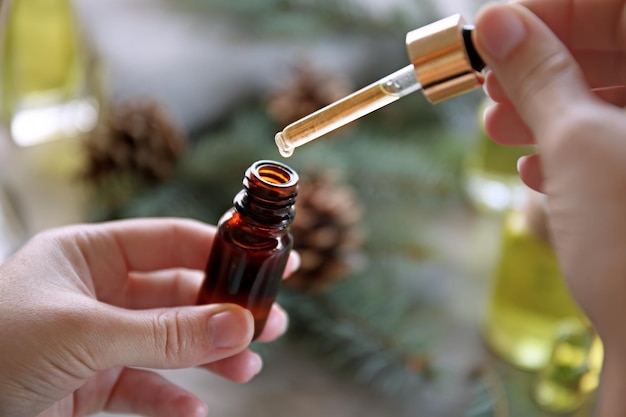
(348, 109)
(444, 64)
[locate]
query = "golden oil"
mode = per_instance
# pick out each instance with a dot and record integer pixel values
(529, 296)
(573, 371)
(346, 110)
(44, 73)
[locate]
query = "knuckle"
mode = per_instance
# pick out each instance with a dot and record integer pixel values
(538, 78)
(169, 335)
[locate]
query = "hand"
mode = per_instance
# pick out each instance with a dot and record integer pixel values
(591, 34)
(557, 78)
(80, 305)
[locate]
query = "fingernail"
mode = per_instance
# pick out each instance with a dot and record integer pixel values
(295, 260)
(230, 328)
(278, 320)
(520, 161)
(500, 30)
(256, 363)
(486, 113)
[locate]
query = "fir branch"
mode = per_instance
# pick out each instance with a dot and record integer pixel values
(351, 345)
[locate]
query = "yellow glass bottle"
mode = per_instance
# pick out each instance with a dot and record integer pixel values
(573, 371)
(44, 77)
(529, 296)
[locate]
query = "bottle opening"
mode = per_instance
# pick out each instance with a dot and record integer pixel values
(270, 190)
(275, 173)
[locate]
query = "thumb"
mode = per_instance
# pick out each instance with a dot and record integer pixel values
(174, 337)
(536, 70)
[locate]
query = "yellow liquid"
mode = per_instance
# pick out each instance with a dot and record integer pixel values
(330, 118)
(529, 298)
(42, 64)
(40, 49)
(573, 371)
(364, 101)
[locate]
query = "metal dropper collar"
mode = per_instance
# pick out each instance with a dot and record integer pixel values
(444, 58)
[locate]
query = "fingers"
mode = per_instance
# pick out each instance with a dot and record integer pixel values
(504, 125)
(167, 288)
(494, 89)
(530, 171)
(275, 326)
(143, 244)
(151, 244)
(149, 394)
(245, 365)
(536, 71)
(293, 263)
(239, 368)
(113, 250)
(169, 338)
(107, 252)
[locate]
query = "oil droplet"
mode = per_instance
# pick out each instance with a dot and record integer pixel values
(285, 149)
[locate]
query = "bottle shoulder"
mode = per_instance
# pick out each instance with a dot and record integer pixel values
(239, 231)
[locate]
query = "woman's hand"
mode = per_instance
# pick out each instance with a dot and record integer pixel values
(82, 307)
(557, 78)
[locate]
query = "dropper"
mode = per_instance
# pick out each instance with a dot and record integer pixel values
(444, 64)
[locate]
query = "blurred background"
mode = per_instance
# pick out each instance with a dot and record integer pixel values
(428, 285)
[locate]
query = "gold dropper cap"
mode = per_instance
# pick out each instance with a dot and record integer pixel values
(443, 65)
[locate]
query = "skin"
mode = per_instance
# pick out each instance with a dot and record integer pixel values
(83, 306)
(557, 73)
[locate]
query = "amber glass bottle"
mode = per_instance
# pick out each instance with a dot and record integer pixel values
(250, 252)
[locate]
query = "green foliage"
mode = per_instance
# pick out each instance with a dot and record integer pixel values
(305, 18)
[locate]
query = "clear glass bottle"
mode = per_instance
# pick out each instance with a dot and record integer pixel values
(45, 93)
(491, 177)
(253, 242)
(529, 297)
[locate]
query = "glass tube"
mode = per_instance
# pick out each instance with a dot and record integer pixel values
(356, 105)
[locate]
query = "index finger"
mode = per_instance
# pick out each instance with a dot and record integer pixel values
(535, 69)
(109, 251)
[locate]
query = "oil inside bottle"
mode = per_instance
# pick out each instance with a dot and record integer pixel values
(245, 271)
(573, 371)
(529, 297)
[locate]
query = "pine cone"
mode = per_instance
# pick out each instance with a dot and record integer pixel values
(326, 232)
(136, 140)
(307, 92)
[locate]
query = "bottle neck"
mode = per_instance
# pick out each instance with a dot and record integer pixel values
(269, 194)
(262, 212)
